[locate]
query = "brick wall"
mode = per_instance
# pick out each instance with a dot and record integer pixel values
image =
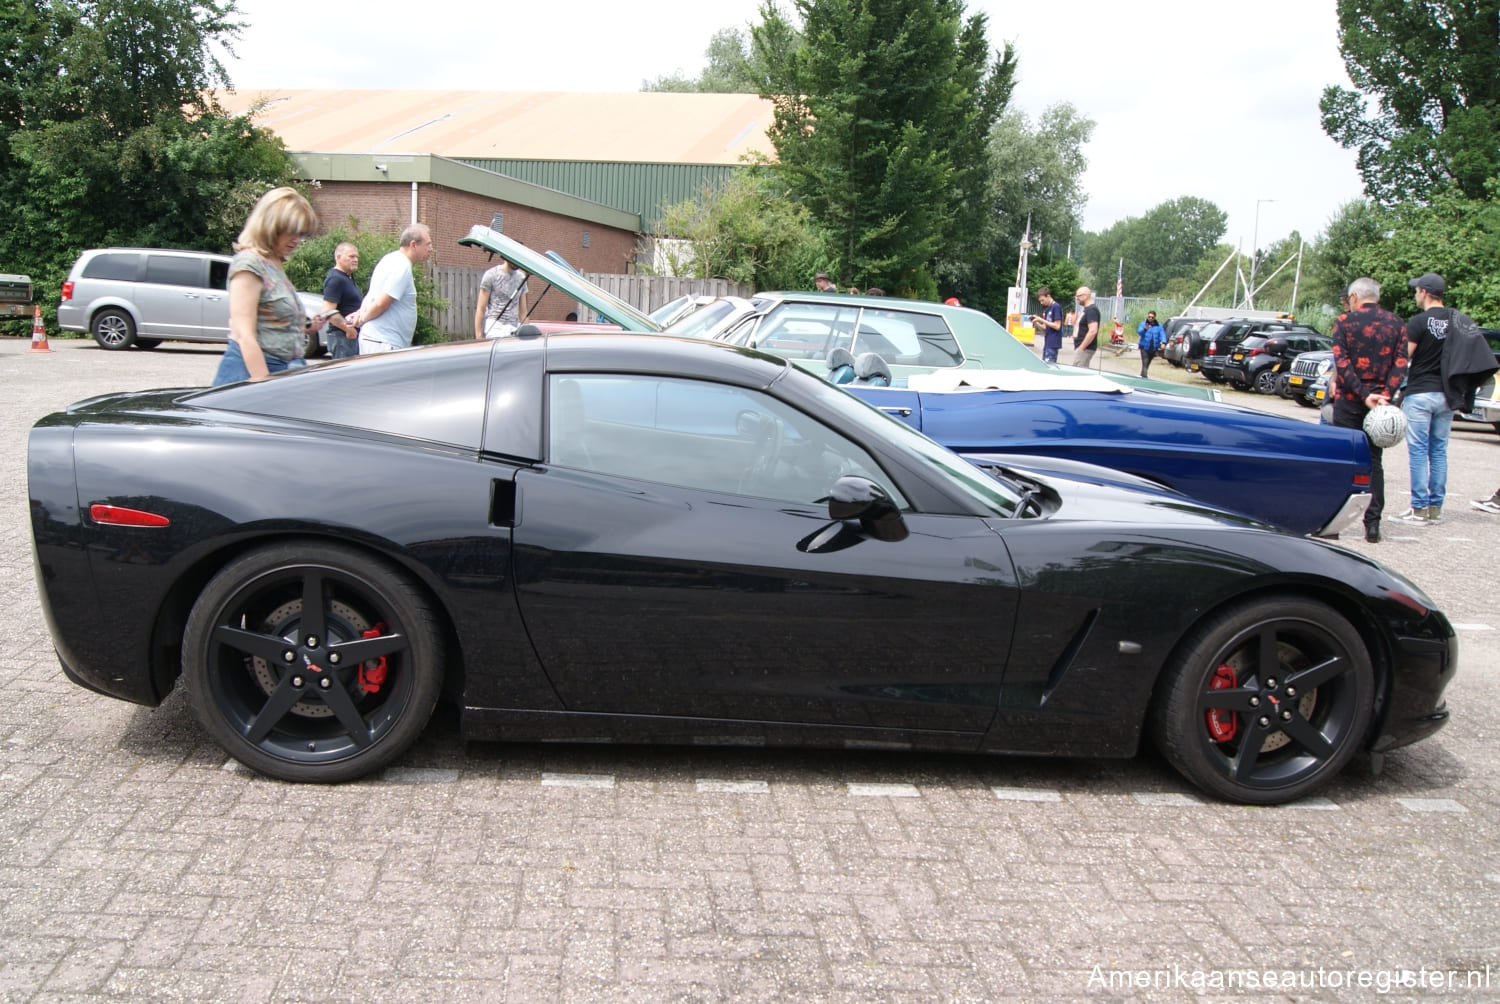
(386, 206)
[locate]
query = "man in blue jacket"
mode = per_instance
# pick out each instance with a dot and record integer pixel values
(1152, 340)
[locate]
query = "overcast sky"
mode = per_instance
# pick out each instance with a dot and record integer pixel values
(1189, 97)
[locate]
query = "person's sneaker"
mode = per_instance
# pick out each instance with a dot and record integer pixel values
(1435, 514)
(1414, 516)
(1491, 504)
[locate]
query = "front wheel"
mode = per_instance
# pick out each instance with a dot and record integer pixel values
(312, 663)
(1267, 701)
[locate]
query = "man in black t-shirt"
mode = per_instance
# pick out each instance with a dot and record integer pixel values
(1086, 333)
(1425, 404)
(341, 294)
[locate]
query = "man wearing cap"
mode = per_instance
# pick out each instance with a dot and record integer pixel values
(1425, 403)
(824, 284)
(1369, 354)
(1086, 333)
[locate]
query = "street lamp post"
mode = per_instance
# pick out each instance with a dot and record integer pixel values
(1254, 253)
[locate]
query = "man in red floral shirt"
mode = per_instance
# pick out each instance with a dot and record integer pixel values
(1369, 352)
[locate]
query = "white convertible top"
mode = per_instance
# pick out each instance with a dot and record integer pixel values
(1015, 380)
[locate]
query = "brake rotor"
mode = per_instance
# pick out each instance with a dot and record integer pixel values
(345, 624)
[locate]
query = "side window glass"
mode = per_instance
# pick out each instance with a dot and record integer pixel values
(121, 265)
(806, 330)
(174, 270)
(218, 274)
(907, 338)
(700, 435)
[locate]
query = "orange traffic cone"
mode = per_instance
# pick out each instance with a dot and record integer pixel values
(39, 334)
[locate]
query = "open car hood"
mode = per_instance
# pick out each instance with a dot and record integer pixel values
(543, 268)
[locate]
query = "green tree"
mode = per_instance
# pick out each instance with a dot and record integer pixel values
(747, 230)
(881, 115)
(1166, 243)
(1433, 72)
(1456, 237)
(1035, 178)
(108, 134)
(733, 68)
(1356, 225)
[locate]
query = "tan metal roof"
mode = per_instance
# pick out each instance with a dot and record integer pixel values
(638, 127)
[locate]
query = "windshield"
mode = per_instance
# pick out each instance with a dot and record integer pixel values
(702, 322)
(858, 417)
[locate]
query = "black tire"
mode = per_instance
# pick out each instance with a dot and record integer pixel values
(270, 703)
(1239, 385)
(113, 329)
(147, 343)
(1302, 400)
(1287, 717)
(1265, 381)
(1283, 387)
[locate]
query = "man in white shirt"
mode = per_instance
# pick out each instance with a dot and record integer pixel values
(388, 317)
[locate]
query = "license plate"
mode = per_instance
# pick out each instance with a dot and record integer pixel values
(1239, 357)
(1295, 381)
(1194, 367)
(1318, 394)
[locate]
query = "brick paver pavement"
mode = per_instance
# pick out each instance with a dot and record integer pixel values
(136, 864)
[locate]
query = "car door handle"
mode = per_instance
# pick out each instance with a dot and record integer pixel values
(898, 411)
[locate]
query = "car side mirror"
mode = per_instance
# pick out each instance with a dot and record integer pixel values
(856, 498)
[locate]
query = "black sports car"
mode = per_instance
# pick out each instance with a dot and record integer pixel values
(646, 538)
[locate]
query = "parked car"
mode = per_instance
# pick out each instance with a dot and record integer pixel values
(1222, 340)
(1181, 340)
(662, 539)
(1486, 402)
(1309, 377)
(1304, 477)
(1279, 470)
(145, 296)
(909, 337)
(1259, 360)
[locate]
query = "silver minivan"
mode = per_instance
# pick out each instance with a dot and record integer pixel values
(144, 296)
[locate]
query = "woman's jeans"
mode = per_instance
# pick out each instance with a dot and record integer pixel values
(1428, 422)
(232, 366)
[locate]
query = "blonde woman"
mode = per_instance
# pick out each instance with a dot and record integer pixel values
(266, 319)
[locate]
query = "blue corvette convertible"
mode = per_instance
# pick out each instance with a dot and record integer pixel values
(957, 376)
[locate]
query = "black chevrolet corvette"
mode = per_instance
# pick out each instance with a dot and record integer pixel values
(647, 539)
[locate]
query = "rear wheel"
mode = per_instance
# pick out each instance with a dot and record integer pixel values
(1265, 381)
(113, 329)
(312, 663)
(1267, 702)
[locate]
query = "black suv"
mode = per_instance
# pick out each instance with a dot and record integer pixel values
(1221, 342)
(1259, 360)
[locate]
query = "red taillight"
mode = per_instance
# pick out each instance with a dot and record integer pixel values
(67, 293)
(114, 515)
(1361, 480)
(1255, 352)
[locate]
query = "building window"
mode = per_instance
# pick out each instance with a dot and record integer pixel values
(585, 238)
(497, 222)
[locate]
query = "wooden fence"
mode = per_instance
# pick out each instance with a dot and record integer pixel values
(460, 288)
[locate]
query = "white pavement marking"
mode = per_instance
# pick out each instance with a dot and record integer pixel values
(1472, 627)
(887, 790)
(1163, 798)
(1431, 805)
(710, 785)
(420, 775)
(578, 780)
(1027, 794)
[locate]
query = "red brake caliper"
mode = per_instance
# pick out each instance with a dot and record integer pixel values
(1222, 724)
(372, 671)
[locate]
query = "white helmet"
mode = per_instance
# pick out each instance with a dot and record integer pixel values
(1385, 425)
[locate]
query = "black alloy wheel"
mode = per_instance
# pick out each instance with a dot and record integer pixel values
(1267, 702)
(312, 663)
(1265, 381)
(113, 329)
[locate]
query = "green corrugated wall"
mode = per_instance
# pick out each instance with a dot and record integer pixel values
(634, 188)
